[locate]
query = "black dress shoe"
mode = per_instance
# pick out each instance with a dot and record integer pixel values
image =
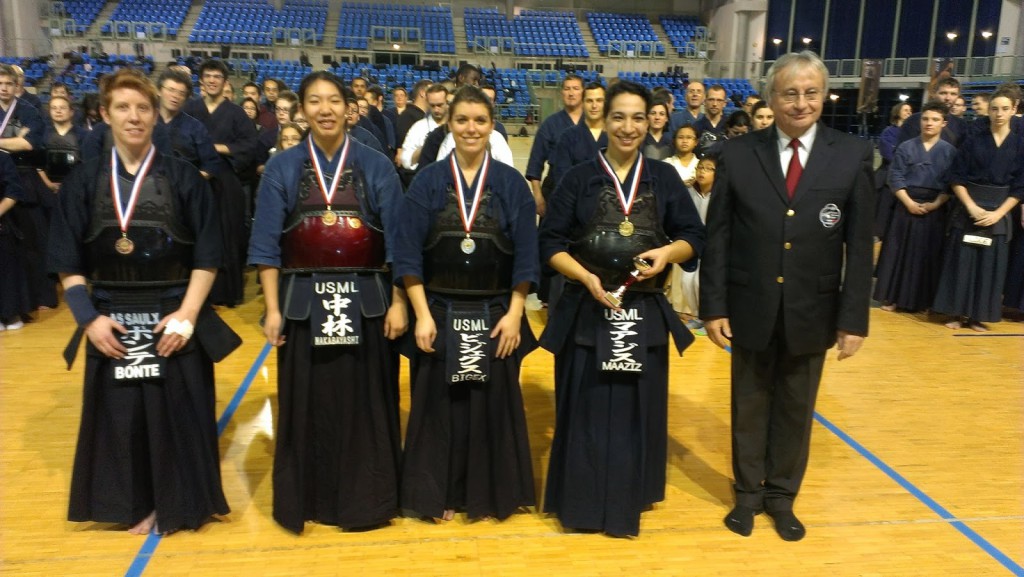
(741, 520)
(787, 525)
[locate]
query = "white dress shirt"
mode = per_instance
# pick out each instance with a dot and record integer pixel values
(786, 152)
(415, 138)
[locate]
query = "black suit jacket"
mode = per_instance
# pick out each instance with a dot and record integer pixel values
(809, 258)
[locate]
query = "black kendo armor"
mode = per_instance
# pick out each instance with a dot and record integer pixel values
(602, 250)
(485, 271)
(355, 243)
(162, 254)
(61, 155)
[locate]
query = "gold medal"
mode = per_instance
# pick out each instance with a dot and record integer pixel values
(626, 228)
(354, 222)
(329, 217)
(468, 245)
(124, 245)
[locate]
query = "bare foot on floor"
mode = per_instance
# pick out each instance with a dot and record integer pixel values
(953, 325)
(449, 514)
(145, 526)
(978, 327)
(888, 308)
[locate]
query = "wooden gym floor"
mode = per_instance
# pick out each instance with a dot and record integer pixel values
(917, 468)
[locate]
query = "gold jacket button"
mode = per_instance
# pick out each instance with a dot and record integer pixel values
(779, 280)
(787, 246)
(790, 212)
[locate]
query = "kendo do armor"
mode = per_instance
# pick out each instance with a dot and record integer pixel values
(486, 270)
(61, 155)
(605, 252)
(354, 243)
(163, 246)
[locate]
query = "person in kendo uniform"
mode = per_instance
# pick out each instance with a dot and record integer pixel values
(15, 299)
(322, 243)
(467, 256)
(608, 455)
(62, 140)
(22, 132)
(139, 228)
(234, 138)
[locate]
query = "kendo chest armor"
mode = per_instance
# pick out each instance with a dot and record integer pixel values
(351, 242)
(61, 155)
(604, 251)
(484, 270)
(163, 245)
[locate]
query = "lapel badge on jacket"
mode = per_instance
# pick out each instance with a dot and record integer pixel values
(830, 215)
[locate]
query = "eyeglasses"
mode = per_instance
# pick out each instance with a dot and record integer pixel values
(283, 108)
(705, 169)
(792, 96)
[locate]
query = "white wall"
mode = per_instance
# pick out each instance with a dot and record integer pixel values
(1011, 26)
(20, 31)
(739, 31)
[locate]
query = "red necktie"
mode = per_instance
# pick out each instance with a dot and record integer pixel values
(795, 168)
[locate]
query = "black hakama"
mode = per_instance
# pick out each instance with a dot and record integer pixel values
(973, 277)
(910, 261)
(971, 283)
(467, 446)
(1013, 294)
(32, 219)
(609, 453)
(148, 447)
(15, 296)
(232, 208)
(338, 441)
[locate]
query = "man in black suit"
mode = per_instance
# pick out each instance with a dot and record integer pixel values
(785, 275)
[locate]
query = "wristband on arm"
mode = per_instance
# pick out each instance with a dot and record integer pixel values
(81, 306)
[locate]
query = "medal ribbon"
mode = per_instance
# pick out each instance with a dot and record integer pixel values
(481, 180)
(124, 213)
(624, 201)
(328, 193)
(7, 117)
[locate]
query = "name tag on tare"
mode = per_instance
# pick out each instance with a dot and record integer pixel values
(336, 310)
(621, 342)
(468, 345)
(977, 240)
(140, 363)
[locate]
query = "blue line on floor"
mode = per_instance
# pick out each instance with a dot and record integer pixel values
(939, 510)
(236, 400)
(152, 540)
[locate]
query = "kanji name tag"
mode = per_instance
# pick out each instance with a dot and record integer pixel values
(140, 363)
(468, 354)
(336, 310)
(621, 346)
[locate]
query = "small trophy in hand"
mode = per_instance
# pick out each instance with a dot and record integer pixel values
(614, 298)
